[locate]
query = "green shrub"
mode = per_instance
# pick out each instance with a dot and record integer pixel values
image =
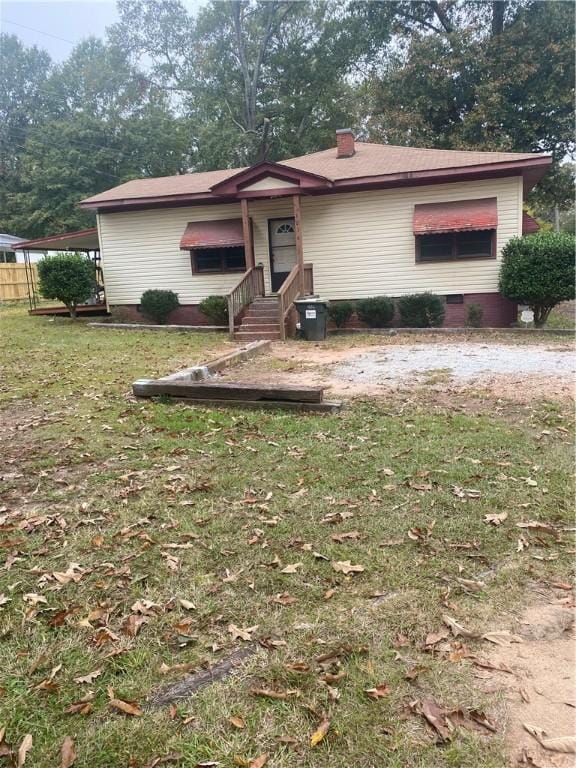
(376, 312)
(340, 312)
(421, 310)
(474, 316)
(67, 277)
(216, 309)
(539, 271)
(157, 305)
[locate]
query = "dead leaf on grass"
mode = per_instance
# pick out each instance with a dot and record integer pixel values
(496, 518)
(89, 678)
(346, 567)
(259, 762)
(320, 732)
(23, 750)
(456, 628)
(291, 568)
(244, 633)
(283, 598)
(132, 624)
(67, 753)
(378, 692)
(127, 707)
(187, 605)
(268, 693)
(444, 721)
(237, 722)
(340, 538)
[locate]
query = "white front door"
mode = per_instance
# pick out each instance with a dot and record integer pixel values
(282, 249)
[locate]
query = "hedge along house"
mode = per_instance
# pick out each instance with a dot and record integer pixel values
(351, 222)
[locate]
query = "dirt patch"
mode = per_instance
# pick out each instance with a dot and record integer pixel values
(519, 373)
(541, 691)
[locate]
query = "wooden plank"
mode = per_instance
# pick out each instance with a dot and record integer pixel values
(299, 245)
(202, 390)
(247, 231)
(326, 406)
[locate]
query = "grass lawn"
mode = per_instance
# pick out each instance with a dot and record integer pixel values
(229, 524)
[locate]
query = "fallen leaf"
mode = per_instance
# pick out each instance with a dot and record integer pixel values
(291, 568)
(456, 628)
(244, 633)
(496, 518)
(89, 678)
(237, 722)
(259, 762)
(67, 753)
(23, 750)
(346, 567)
(283, 599)
(565, 744)
(187, 604)
(433, 638)
(502, 637)
(271, 694)
(132, 624)
(126, 707)
(378, 692)
(320, 732)
(342, 537)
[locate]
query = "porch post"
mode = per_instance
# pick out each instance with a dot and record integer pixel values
(299, 247)
(247, 232)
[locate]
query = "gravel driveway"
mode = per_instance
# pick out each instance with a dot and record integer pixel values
(460, 361)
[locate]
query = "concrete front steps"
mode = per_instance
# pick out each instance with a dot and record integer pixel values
(260, 321)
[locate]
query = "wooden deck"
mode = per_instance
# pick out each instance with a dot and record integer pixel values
(89, 310)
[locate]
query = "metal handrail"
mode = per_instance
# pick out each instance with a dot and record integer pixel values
(250, 285)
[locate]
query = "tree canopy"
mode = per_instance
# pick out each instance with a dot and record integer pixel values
(166, 92)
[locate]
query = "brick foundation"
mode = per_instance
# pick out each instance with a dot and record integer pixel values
(187, 314)
(498, 312)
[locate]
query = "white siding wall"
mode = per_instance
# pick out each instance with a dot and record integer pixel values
(361, 244)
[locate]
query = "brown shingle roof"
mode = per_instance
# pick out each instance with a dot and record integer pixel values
(368, 160)
(380, 159)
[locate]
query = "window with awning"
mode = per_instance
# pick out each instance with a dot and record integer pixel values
(215, 246)
(457, 230)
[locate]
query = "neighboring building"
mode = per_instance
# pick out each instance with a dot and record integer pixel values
(365, 219)
(7, 253)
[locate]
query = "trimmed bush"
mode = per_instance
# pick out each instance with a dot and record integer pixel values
(474, 316)
(376, 312)
(215, 308)
(157, 305)
(421, 310)
(539, 271)
(340, 312)
(67, 277)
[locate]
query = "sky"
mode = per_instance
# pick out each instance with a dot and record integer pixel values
(56, 26)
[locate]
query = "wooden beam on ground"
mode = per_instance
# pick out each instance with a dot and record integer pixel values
(202, 390)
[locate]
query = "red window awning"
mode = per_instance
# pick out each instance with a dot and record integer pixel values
(226, 233)
(459, 216)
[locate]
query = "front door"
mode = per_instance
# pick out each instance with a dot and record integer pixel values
(282, 237)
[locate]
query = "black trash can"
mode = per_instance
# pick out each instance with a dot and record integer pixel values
(313, 318)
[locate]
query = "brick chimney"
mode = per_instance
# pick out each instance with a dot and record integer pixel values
(344, 143)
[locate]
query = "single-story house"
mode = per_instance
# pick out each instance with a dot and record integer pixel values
(351, 222)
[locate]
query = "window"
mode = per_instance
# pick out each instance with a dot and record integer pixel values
(283, 229)
(480, 244)
(205, 260)
(7, 257)
(455, 298)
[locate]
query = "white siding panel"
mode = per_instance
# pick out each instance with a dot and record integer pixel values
(360, 244)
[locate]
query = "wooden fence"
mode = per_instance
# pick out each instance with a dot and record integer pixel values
(13, 284)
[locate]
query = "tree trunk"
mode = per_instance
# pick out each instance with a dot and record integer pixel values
(541, 314)
(72, 309)
(498, 11)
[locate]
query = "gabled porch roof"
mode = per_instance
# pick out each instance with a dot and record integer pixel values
(293, 179)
